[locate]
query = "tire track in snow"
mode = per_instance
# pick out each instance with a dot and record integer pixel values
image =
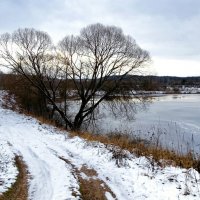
(45, 188)
(51, 178)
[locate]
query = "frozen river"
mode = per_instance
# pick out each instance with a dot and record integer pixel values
(172, 120)
(174, 108)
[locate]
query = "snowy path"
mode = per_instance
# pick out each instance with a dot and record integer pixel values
(52, 178)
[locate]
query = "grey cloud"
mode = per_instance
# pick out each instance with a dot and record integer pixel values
(177, 9)
(167, 28)
(21, 13)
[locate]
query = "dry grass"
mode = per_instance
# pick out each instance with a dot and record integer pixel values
(139, 147)
(43, 120)
(92, 188)
(19, 190)
(9, 103)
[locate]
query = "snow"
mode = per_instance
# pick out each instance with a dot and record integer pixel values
(42, 146)
(109, 196)
(8, 170)
(189, 90)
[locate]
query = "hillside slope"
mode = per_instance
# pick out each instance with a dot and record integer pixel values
(57, 164)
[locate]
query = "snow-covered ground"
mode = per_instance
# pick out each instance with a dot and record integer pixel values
(42, 146)
(8, 170)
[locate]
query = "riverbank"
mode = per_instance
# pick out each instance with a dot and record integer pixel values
(52, 155)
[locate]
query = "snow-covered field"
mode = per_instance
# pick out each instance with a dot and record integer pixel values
(42, 146)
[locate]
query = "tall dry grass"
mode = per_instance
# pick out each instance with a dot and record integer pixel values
(140, 147)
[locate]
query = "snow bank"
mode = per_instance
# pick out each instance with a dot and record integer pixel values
(8, 170)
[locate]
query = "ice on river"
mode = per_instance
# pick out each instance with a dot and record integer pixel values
(171, 119)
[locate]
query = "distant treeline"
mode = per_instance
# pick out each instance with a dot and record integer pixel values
(152, 83)
(172, 80)
(132, 81)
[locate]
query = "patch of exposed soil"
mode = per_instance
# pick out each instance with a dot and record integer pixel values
(19, 190)
(91, 187)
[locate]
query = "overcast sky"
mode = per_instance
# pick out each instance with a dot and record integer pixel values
(168, 29)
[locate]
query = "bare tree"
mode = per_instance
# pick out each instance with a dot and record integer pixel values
(31, 53)
(100, 54)
(100, 57)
